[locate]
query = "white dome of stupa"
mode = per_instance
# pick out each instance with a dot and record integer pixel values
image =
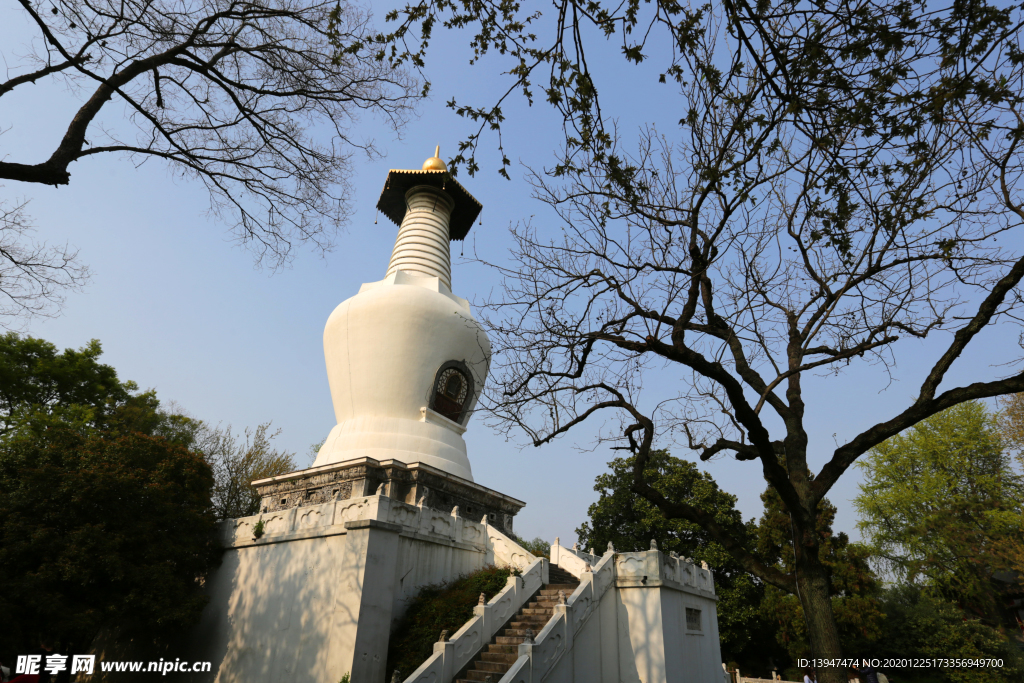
(406, 359)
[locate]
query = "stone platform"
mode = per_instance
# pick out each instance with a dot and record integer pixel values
(414, 484)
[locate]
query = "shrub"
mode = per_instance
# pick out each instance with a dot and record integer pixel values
(538, 547)
(439, 607)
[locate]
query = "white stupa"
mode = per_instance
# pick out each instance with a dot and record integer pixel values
(406, 359)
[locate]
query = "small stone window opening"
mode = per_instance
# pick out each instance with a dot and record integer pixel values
(284, 501)
(692, 619)
(491, 516)
(450, 394)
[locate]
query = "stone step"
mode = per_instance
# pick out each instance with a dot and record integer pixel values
(537, 611)
(535, 624)
(474, 675)
(518, 632)
(504, 648)
(508, 640)
(556, 573)
(532, 618)
(501, 653)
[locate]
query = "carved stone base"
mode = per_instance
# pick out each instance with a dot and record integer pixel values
(410, 483)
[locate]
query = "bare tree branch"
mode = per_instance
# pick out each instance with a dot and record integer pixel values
(254, 99)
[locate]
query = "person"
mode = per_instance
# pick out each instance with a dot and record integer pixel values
(809, 675)
(865, 672)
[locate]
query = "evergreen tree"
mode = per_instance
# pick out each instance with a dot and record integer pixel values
(105, 512)
(759, 625)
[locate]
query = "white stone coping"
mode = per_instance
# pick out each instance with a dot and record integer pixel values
(654, 568)
(397, 464)
(434, 417)
(642, 569)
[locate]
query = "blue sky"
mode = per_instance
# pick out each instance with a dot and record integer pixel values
(180, 308)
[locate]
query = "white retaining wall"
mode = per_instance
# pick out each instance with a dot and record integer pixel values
(318, 594)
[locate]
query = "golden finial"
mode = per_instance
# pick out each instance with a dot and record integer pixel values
(434, 163)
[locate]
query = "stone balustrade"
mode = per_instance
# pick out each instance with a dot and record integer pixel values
(536, 659)
(543, 659)
(450, 656)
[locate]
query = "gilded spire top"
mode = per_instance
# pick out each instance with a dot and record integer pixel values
(434, 163)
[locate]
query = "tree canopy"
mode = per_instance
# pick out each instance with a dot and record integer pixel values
(920, 624)
(105, 512)
(833, 183)
(940, 502)
(629, 522)
(239, 462)
(100, 531)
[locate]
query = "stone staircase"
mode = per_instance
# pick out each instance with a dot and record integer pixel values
(502, 652)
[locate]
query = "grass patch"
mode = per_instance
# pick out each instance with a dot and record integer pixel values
(439, 607)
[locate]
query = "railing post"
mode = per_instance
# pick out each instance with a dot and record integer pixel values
(526, 650)
(447, 649)
(486, 613)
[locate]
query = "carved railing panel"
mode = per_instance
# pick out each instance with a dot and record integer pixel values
(520, 672)
(431, 671)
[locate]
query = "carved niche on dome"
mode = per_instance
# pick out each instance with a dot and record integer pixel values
(452, 391)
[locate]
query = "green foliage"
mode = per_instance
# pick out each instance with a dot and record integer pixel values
(100, 530)
(630, 522)
(40, 387)
(940, 501)
(923, 625)
(257, 529)
(36, 380)
(345, 678)
(439, 607)
(854, 588)
(538, 547)
(105, 515)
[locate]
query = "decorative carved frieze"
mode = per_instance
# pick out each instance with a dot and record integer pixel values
(414, 485)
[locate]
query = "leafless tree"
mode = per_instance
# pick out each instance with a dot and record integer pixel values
(253, 98)
(237, 463)
(847, 181)
(33, 275)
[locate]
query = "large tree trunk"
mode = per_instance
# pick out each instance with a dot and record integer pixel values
(813, 582)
